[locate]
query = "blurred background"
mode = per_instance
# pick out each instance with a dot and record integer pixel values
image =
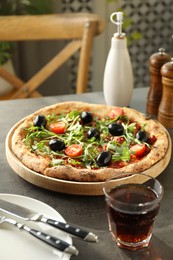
(148, 26)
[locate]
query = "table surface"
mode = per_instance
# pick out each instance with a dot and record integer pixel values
(88, 211)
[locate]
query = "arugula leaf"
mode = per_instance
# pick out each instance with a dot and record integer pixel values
(57, 162)
(40, 148)
(38, 138)
(129, 132)
(122, 153)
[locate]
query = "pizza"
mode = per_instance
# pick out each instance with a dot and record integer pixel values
(84, 142)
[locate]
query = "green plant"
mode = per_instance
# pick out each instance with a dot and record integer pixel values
(135, 34)
(5, 52)
(128, 22)
(20, 7)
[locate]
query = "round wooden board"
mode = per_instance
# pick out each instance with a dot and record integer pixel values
(70, 187)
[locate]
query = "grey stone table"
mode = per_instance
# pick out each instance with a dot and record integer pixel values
(88, 211)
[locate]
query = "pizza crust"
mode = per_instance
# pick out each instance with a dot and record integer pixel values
(66, 172)
(31, 160)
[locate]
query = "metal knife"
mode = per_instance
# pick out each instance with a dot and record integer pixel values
(55, 242)
(31, 215)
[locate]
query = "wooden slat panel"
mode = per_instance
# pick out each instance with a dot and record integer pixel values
(15, 28)
(85, 55)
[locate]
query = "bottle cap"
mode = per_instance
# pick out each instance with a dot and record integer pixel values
(159, 58)
(167, 69)
(118, 22)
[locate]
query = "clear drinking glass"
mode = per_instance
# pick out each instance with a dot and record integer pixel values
(132, 201)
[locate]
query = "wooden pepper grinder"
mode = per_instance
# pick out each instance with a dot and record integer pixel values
(155, 91)
(165, 114)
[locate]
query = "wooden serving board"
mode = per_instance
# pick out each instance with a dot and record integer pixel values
(70, 187)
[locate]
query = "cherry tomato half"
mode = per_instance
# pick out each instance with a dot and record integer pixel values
(117, 111)
(138, 149)
(58, 127)
(74, 150)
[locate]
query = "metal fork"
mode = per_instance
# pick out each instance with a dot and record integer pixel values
(50, 240)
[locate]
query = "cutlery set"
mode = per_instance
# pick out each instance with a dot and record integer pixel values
(31, 215)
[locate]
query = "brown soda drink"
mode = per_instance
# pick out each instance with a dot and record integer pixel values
(133, 202)
(127, 226)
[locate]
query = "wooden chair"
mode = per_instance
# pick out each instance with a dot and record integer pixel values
(80, 28)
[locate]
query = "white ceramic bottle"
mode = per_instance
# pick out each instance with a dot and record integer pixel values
(118, 74)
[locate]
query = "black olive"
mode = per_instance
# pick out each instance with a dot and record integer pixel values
(40, 120)
(142, 136)
(86, 117)
(104, 158)
(115, 129)
(56, 145)
(93, 132)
